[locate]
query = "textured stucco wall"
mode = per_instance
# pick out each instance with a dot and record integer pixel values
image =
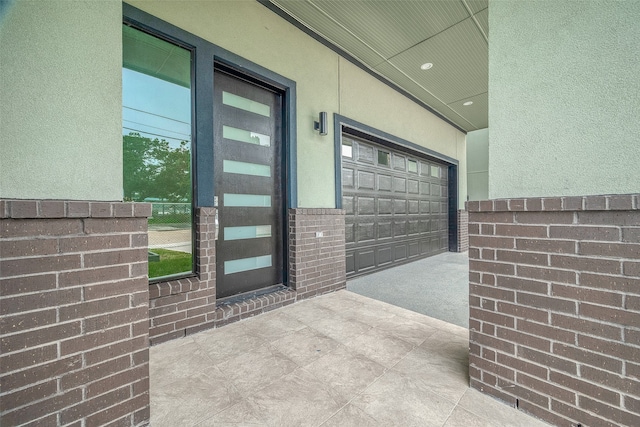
(564, 98)
(325, 82)
(60, 86)
(478, 164)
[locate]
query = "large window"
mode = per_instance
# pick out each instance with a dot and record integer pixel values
(156, 137)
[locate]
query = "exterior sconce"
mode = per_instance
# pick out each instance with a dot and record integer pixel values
(321, 124)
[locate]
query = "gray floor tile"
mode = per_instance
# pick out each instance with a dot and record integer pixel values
(397, 400)
(347, 372)
(337, 360)
(257, 369)
(305, 346)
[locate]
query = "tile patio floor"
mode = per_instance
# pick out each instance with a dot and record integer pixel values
(337, 360)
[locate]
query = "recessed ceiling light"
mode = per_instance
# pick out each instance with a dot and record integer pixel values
(426, 66)
(466, 104)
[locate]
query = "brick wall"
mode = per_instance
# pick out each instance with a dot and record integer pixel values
(463, 230)
(316, 266)
(73, 313)
(181, 307)
(317, 251)
(555, 306)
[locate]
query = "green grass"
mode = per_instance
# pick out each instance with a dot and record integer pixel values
(171, 262)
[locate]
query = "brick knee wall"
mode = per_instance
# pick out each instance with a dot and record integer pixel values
(316, 266)
(317, 251)
(73, 313)
(463, 231)
(555, 306)
(181, 307)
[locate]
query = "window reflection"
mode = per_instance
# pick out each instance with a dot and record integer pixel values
(156, 116)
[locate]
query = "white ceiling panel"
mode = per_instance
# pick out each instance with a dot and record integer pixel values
(476, 113)
(395, 37)
(392, 26)
(459, 56)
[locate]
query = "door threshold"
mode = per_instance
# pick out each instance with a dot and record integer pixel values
(234, 299)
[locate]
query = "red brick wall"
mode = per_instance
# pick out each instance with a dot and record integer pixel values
(317, 251)
(73, 313)
(463, 231)
(555, 306)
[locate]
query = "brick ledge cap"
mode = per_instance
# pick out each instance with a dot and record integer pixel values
(56, 209)
(609, 202)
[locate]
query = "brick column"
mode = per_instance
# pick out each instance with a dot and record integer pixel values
(463, 230)
(317, 251)
(555, 306)
(73, 313)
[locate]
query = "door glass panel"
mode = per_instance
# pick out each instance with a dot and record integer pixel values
(156, 142)
(236, 101)
(247, 200)
(231, 166)
(246, 136)
(247, 232)
(412, 166)
(246, 264)
(435, 171)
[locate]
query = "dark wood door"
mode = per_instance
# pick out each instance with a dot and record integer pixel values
(248, 186)
(396, 206)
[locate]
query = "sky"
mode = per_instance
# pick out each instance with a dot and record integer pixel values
(155, 108)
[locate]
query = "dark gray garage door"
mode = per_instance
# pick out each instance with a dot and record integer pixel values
(396, 206)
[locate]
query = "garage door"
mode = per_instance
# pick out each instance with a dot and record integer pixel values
(396, 206)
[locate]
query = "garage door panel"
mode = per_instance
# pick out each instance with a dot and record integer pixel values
(399, 185)
(350, 262)
(414, 249)
(348, 233)
(413, 186)
(384, 230)
(384, 182)
(366, 205)
(384, 256)
(347, 204)
(365, 154)
(365, 260)
(365, 232)
(348, 178)
(400, 252)
(385, 206)
(399, 228)
(366, 180)
(399, 162)
(395, 208)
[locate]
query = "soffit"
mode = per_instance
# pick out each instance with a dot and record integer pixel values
(392, 38)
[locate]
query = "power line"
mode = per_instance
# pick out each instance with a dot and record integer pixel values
(157, 115)
(155, 127)
(156, 134)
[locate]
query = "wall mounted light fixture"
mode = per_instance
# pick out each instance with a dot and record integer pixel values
(321, 124)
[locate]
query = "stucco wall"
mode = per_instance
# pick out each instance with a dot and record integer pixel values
(325, 82)
(61, 67)
(564, 98)
(60, 85)
(478, 164)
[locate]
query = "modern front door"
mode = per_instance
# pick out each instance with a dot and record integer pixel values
(248, 185)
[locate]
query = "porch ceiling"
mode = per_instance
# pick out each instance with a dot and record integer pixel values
(393, 38)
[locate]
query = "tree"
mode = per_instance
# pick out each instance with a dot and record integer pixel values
(152, 169)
